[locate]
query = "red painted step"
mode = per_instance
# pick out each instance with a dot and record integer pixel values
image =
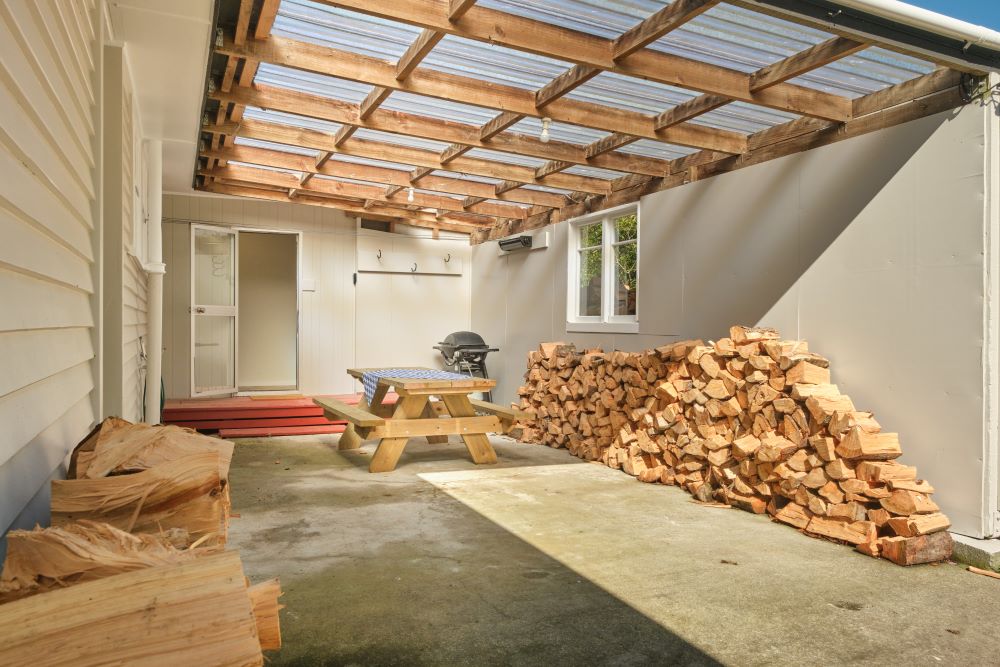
(216, 424)
(176, 415)
(267, 431)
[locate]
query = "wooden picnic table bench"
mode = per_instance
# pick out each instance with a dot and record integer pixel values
(416, 415)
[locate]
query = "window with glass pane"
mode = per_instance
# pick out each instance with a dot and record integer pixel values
(626, 264)
(591, 269)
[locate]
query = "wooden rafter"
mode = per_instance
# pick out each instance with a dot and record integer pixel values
(923, 96)
(533, 36)
(280, 174)
(415, 218)
(395, 122)
(429, 160)
(516, 103)
(325, 186)
(397, 179)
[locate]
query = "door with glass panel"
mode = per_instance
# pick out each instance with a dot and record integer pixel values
(213, 310)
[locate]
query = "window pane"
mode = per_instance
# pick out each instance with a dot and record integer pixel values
(626, 227)
(590, 282)
(590, 235)
(626, 276)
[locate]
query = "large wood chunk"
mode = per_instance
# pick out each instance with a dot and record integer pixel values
(196, 613)
(884, 471)
(854, 532)
(805, 372)
(823, 407)
(794, 515)
(905, 503)
(915, 550)
(46, 559)
(858, 444)
(920, 524)
(186, 493)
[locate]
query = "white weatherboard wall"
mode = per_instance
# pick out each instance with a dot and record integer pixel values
(872, 249)
(49, 128)
(385, 319)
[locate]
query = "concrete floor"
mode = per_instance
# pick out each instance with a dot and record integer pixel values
(547, 560)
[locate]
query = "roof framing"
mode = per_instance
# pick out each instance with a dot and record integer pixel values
(487, 196)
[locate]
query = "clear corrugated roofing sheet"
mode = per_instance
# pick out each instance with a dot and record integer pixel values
(725, 35)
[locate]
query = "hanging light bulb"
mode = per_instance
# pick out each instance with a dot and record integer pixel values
(544, 136)
(409, 195)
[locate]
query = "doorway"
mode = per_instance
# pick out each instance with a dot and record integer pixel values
(268, 326)
(245, 311)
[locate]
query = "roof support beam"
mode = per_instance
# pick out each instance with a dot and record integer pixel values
(415, 218)
(266, 19)
(533, 36)
(517, 102)
(325, 186)
(425, 160)
(671, 17)
(324, 108)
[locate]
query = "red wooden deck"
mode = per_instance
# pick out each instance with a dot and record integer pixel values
(246, 417)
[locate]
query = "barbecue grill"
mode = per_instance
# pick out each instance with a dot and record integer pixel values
(465, 352)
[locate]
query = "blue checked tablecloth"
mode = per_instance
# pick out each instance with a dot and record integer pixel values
(371, 378)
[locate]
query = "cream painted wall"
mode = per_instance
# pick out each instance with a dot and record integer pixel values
(268, 307)
(386, 319)
(872, 249)
(50, 255)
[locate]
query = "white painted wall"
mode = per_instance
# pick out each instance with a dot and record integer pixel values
(49, 258)
(268, 307)
(386, 319)
(872, 249)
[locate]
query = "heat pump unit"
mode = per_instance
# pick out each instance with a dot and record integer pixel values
(515, 243)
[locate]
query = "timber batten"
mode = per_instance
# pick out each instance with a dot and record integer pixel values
(489, 174)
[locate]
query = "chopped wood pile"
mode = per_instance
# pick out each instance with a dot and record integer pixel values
(143, 478)
(133, 569)
(751, 421)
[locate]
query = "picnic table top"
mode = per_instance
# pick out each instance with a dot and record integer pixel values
(411, 384)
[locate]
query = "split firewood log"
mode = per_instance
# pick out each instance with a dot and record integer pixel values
(194, 613)
(750, 420)
(46, 559)
(185, 493)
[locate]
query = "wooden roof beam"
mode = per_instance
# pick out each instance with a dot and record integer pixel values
(268, 12)
(788, 68)
(415, 218)
(553, 41)
(316, 106)
(516, 101)
(325, 187)
(425, 160)
(671, 17)
(395, 179)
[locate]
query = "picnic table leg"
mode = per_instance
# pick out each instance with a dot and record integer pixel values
(389, 449)
(350, 439)
(429, 413)
(478, 444)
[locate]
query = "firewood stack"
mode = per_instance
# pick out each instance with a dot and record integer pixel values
(133, 569)
(751, 421)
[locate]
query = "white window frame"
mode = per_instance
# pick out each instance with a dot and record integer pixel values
(607, 321)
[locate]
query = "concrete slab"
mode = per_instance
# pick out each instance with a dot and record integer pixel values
(546, 560)
(984, 554)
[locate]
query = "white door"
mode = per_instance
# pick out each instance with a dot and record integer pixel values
(213, 310)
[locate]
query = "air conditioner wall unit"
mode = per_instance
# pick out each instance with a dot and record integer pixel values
(535, 240)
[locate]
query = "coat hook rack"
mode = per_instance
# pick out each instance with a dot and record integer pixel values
(380, 254)
(448, 258)
(414, 269)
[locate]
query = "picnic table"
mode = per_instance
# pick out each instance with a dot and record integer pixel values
(415, 414)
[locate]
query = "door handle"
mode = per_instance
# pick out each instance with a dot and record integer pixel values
(200, 310)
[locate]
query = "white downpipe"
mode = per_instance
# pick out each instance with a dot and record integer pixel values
(155, 268)
(925, 19)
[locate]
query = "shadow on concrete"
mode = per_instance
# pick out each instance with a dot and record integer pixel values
(397, 572)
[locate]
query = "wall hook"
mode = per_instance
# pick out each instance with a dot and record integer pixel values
(379, 254)
(448, 258)
(414, 269)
